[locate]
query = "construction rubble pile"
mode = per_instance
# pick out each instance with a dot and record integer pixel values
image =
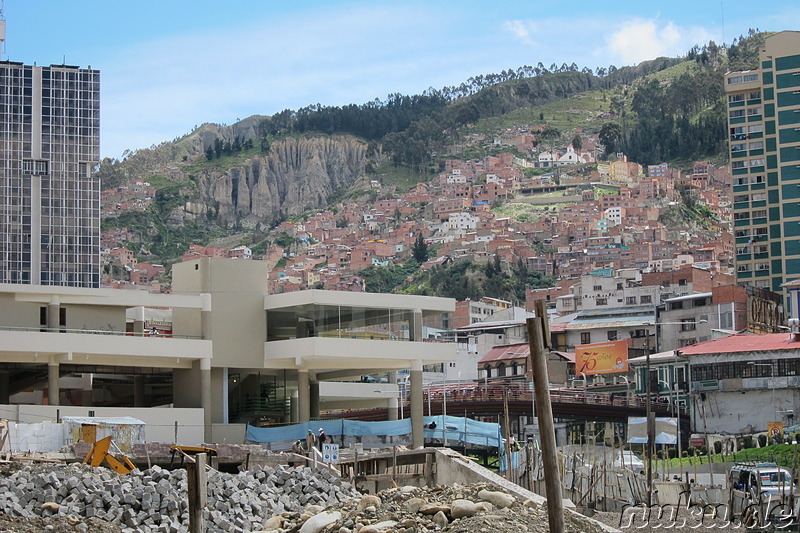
(474, 508)
(156, 499)
(66, 498)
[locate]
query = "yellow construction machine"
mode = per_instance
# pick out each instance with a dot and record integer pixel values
(99, 453)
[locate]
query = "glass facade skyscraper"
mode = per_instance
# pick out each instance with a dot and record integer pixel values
(49, 199)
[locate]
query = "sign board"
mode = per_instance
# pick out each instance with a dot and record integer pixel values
(666, 430)
(697, 442)
(330, 453)
(601, 358)
(774, 428)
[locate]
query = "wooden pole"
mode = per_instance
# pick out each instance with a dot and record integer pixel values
(509, 451)
(198, 492)
(538, 341)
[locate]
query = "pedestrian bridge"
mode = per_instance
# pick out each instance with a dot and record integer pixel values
(477, 400)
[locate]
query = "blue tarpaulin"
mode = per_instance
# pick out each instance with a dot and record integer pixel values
(456, 429)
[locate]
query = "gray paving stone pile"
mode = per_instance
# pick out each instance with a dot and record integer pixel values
(155, 500)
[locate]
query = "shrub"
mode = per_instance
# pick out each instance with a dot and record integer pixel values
(797, 437)
(747, 441)
(762, 440)
(672, 452)
(778, 438)
(703, 450)
(718, 446)
(691, 450)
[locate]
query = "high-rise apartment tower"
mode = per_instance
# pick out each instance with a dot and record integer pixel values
(764, 141)
(49, 200)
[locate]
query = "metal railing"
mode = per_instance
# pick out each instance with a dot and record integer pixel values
(86, 331)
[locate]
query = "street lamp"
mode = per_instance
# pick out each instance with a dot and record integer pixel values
(772, 384)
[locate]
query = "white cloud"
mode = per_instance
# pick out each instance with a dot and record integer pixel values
(521, 30)
(642, 39)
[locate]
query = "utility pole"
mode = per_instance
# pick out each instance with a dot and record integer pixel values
(539, 339)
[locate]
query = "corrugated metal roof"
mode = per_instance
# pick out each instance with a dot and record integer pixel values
(744, 342)
(690, 296)
(506, 352)
(104, 420)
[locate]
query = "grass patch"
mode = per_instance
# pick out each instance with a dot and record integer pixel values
(579, 111)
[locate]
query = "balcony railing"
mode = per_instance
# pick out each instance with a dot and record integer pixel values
(85, 331)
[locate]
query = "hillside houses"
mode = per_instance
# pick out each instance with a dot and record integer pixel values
(615, 225)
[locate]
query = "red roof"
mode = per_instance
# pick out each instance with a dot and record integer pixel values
(520, 350)
(744, 342)
(507, 351)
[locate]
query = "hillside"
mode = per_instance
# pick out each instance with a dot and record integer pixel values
(220, 180)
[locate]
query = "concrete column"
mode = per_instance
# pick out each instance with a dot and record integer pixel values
(53, 313)
(417, 437)
(314, 398)
(415, 327)
(52, 383)
(393, 403)
(205, 396)
(5, 391)
(303, 397)
(205, 316)
(138, 390)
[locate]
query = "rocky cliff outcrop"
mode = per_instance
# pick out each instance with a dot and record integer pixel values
(298, 174)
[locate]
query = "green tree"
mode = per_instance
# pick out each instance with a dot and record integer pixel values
(577, 143)
(610, 136)
(420, 249)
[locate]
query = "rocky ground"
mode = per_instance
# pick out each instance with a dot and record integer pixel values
(458, 509)
(77, 498)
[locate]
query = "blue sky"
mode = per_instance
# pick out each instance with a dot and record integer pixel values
(169, 65)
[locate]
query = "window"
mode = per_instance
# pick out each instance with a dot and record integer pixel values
(597, 288)
(612, 335)
(586, 337)
(738, 147)
(742, 250)
(742, 232)
(757, 145)
(754, 95)
(755, 128)
(680, 378)
(740, 181)
(764, 265)
(736, 113)
(760, 232)
(619, 286)
(757, 163)
(733, 80)
(733, 98)
(630, 300)
(738, 164)
(757, 179)
(645, 299)
(43, 316)
(760, 249)
(749, 77)
(760, 213)
(741, 215)
(602, 301)
(753, 111)
(743, 268)
(759, 197)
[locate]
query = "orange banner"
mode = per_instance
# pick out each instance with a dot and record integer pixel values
(601, 358)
